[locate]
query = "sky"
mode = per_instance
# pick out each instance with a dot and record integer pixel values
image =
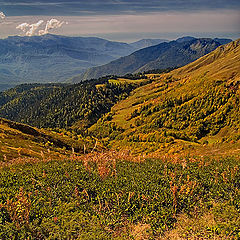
(121, 20)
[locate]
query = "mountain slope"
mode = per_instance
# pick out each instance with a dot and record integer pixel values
(52, 58)
(22, 141)
(61, 105)
(143, 43)
(162, 56)
(198, 102)
(185, 39)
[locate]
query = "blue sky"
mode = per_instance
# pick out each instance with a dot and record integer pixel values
(126, 20)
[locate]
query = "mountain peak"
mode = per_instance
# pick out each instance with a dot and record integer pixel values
(147, 42)
(185, 39)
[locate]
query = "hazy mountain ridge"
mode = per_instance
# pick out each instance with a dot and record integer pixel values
(143, 43)
(55, 58)
(52, 58)
(172, 54)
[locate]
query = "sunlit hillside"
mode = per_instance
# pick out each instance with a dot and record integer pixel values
(20, 142)
(197, 104)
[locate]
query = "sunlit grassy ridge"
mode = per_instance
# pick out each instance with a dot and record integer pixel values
(20, 140)
(193, 104)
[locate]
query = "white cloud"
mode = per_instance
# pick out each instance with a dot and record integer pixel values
(2, 15)
(29, 29)
(23, 27)
(33, 29)
(51, 24)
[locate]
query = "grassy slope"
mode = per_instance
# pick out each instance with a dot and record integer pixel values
(216, 74)
(20, 140)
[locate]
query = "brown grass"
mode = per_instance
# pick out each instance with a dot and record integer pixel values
(106, 161)
(192, 229)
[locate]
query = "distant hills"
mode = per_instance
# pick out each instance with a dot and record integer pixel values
(53, 58)
(164, 55)
(188, 103)
(197, 103)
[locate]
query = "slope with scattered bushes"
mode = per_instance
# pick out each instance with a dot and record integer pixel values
(196, 103)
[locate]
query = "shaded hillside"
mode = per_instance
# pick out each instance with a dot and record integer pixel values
(143, 43)
(197, 103)
(52, 58)
(62, 105)
(162, 56)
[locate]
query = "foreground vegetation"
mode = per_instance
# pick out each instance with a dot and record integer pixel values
(97, 196)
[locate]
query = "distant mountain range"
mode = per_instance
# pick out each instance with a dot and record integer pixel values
(188, 103)
(164, 55)
(53, 58)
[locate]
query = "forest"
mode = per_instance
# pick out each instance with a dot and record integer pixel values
(61, 105)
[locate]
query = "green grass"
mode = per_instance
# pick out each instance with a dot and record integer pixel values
(127, 81)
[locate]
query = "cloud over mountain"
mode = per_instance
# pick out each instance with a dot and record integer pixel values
(31, 29)
(2, 15)
(51, 24)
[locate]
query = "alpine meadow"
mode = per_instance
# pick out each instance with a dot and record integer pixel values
(119, 120)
